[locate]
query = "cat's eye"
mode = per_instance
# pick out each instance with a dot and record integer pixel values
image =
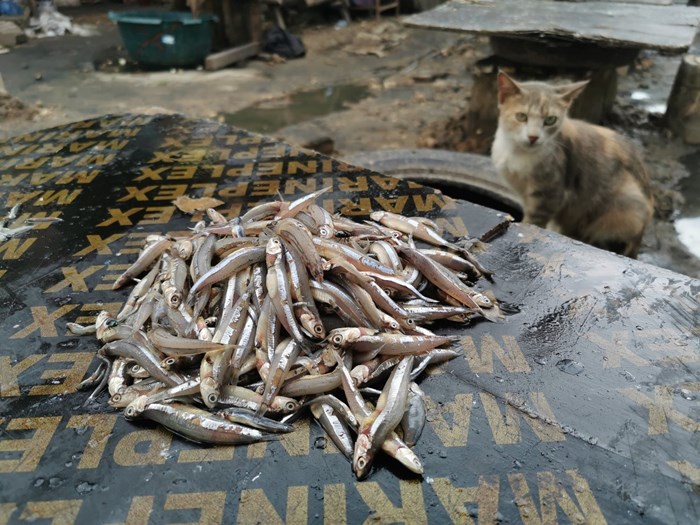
(521, 117)
(551, 119)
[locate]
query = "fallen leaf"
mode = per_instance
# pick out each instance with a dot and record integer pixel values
(190, 205)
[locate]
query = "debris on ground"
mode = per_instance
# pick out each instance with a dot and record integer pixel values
(278, 41)
(377, 41)
(13, 108)
(50, 23)
(271, 58)
(11, 34)
(453, 135)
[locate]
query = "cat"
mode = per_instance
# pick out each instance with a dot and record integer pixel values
(584, 181)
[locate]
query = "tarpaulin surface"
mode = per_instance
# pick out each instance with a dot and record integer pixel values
(580, 406)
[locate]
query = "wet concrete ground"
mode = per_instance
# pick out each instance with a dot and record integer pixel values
(341, 89)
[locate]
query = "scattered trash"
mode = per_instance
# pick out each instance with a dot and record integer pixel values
(271, 58)
(341, 24)
(423, 75)
(9, 8)
(367, 44)
(50, 23)
(657, 109)
(639, 95)
(281, 42)
(377, 41)
(13, 108)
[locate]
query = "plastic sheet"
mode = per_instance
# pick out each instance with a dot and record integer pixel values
(581, 406)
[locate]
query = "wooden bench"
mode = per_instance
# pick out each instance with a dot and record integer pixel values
(543, 38)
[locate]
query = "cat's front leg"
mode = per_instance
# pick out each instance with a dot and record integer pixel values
(541, 206)
(533, 217)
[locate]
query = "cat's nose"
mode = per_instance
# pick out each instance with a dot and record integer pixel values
(533, 138)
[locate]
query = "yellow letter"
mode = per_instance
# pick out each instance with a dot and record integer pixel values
(32, 448)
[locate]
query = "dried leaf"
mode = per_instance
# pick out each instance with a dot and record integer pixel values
(190, 205)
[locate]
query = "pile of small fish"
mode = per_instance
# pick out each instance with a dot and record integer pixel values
(231, 332)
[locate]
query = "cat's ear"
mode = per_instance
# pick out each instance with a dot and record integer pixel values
(569, 92)
(507, 87)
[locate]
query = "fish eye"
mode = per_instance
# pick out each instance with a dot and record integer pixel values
(521, 117)
(112, 323)
(551, 119)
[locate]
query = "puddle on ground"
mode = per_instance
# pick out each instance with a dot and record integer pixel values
(688, 223)
(271, 115)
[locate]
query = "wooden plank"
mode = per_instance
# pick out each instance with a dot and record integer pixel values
(669, 28)
(231, 56)
(568, 54)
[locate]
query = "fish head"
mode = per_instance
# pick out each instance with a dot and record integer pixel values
(136, 407)
(363, 456)
(120, 400)
(408, 459)
(340, 337)
(312, 325)
(482, 300)
(105, 326)
(209, 389)
(273, 247)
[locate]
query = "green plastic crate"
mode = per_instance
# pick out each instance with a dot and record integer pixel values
(165, 38)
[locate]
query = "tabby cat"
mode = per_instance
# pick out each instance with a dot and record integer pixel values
(584, 181)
